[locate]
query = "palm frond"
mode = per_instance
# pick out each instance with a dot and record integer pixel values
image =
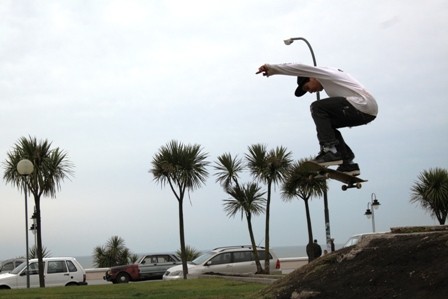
(228, 170)
(299, 182)
(183, 165)
(247, 200)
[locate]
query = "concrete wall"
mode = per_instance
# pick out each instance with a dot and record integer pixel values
(95, 273)
(289, 264)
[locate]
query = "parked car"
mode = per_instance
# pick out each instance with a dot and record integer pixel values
(8, 265)
(353, 240)
(58, 271)
(225, 260)
(146, 267)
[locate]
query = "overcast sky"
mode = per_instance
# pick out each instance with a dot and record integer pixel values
(110, 82)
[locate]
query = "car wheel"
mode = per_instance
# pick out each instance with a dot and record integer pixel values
(71, 284)
(122, 278)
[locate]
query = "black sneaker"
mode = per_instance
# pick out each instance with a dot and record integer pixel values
(328, 158)
(348, 159)
(351, 169)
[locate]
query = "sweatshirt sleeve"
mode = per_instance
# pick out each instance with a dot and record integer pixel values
(303, 70)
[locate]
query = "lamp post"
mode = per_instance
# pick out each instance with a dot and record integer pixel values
(33, 227)
(371, 207)
(326, 211)
(25, 167)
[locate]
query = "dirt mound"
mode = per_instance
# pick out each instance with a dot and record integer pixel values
(400, 264)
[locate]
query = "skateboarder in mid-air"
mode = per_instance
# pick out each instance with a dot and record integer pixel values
(349, 105)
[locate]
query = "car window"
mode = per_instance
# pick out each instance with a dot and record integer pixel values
(352, 241)
(34, 268)
(202, 258)
(242, 256)
(165, 259)
(19, 268)
(150, 259)
(71, 267)
(222, 258)
(261, 255)
(56, 267)
(7, 267)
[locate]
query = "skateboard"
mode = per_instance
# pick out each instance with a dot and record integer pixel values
(349, 181)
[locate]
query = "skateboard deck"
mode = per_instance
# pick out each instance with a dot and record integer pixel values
(349, 181)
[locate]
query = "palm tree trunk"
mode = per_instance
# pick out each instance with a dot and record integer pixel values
(40, 257)
(254, 245)
(441, 217)
(266, 234)
(182, 238)
(309, 246)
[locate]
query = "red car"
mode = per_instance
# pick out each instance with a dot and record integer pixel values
(147, 267)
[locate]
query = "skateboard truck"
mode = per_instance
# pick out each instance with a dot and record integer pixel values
(348, 186)
(320, 171)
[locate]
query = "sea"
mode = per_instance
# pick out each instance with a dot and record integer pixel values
(281, 251)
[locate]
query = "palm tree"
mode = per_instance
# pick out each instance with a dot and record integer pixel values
(299, 183)
(114, 253)
(431, 191)
(228, 169)
(33, 252)
(183, 168)
(192, 253)
(51, 167)
(269, 168)
(247, 200)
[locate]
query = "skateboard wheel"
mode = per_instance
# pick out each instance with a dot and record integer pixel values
(344, 187)
(358, 185)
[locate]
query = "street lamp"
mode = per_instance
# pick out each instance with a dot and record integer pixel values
(25, 167)
(326, 211)
(371, 207)
(291, 40)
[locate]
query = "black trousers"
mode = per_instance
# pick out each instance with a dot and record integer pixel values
(329, 115)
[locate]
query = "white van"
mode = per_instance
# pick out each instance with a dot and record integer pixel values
(58, 271)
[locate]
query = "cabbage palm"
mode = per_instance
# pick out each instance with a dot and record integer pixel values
(268, 167)
(33, 252)
(228, 169)
(183, 168)
(431, 191)
(51, 167)
(299, 183)
(191, 252)
(114, 253)
(247, 200)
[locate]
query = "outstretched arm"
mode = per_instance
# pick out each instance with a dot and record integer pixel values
(295, 69)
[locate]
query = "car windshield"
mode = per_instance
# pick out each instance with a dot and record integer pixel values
(19, 268)
(201, 259)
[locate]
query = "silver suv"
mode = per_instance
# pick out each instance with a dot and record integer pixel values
(225, 260)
